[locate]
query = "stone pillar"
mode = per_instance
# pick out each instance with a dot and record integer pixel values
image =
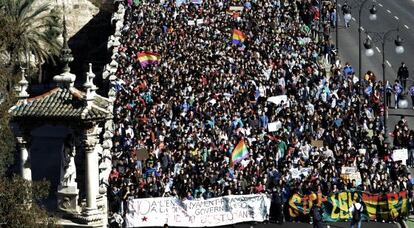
(91, 212)
(25, 168)
(92, 178)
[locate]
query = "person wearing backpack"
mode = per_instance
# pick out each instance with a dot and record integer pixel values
(356, 209)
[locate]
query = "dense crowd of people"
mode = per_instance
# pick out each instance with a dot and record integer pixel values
(177, 122)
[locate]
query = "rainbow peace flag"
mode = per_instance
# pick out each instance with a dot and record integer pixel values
(148, 58)
(239, 153)
(238, 37)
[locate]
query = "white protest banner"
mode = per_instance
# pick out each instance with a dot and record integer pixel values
(152, 212)
(278, 100)
(179, 2)
(274, 126)
(200, 21)
(297, 172)
(305, 171)
(348, 170)
(400, 155)
(196, 22)
(236, 8)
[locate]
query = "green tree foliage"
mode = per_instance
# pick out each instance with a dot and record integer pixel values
(29, 27)
(19, 203)
(7, 99)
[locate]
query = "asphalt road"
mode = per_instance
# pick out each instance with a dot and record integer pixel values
(305, 225)
(390, 15)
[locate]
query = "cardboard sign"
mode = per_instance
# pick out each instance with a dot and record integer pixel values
(142, 154)
(317, 143)
(351, 173)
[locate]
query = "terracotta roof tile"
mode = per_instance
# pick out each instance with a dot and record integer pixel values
(60, 103)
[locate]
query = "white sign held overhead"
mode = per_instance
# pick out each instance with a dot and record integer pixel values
(236, 8)
(274, 126)
(278, 100)
(400, 155)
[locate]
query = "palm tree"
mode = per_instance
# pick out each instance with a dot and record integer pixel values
(30, 29)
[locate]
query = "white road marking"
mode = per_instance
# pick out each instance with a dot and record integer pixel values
(389, 64)
(339, 5)
(396, 18)
(369, 37)
(380, 5)
(406, 26)
(353, 18)
(362, 28)
(389, 11)
(379, 51)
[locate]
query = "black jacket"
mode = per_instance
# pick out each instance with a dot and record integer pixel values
(403, 72)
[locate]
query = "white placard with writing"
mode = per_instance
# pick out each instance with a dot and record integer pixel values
(400, 155)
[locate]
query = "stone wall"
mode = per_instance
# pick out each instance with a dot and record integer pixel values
(78, 12)
(88, 24)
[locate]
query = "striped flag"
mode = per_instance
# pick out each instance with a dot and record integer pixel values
(239, 153)
(238, 37)
(148, 58)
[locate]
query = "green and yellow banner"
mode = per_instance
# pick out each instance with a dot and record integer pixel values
(336, 206)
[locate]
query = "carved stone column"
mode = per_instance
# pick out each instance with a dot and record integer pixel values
(90, 139)
(25, 168)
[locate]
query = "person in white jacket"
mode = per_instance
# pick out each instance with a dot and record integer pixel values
(356, 210)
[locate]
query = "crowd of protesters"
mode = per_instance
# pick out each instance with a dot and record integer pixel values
(186, 114)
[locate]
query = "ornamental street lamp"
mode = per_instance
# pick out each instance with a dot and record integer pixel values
(399, 49)
(346, 9)
(372, 17)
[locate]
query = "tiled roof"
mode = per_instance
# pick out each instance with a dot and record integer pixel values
(61, 103)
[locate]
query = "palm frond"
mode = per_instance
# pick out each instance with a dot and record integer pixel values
(33, 27)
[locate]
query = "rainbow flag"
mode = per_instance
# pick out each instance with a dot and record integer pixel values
(148, 58)
(238, 37)
(239, 153)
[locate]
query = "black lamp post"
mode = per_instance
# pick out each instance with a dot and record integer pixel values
(347, 16)
(372, 17)
(399, 49)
